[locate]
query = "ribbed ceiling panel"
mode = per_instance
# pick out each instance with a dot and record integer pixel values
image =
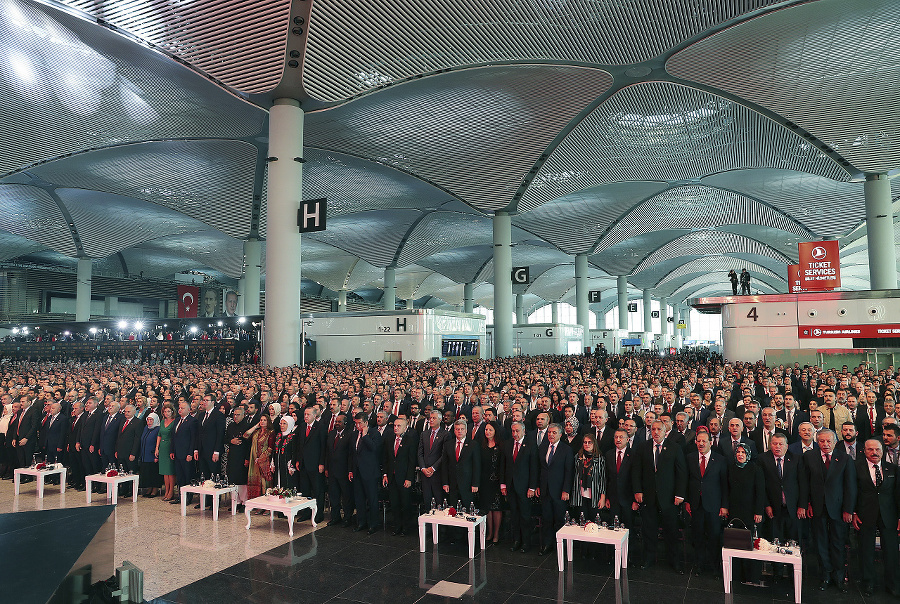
(67, 85)
(667, 132)
(708, 243)
(621, 259)
(98, 218)
(373, 236)
(364, 274)
(354, 47)
(239, 42)
(211, 181)
(328, 272)
(832, 67)
(30, 212)
(710, 265)
(533, 255)
(432, 284)
(209, 248)
(13, 246)
(695, 207)
(474, 133)
(553, 283)
(408, 280)
(823, 206)
(576, 221)
(441, 231)
(462, 265)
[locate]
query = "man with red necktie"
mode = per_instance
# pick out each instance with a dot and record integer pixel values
(429, 454)
(400, 474)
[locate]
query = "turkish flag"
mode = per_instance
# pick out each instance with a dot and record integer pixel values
(188, 300)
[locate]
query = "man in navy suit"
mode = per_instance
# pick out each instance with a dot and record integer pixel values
(109, 433)
(619, 488)
(460, 466)
(660, 483)
(877, 507)
(89, 439)
(727, 441)
(128, 441)
(309, 449)
(52, 434)
(828, 495)
(557, 463)
(184, 445)
(429, 454)
(806, 433)
(211, 438)
(707, 501)
(520, 480)
(791, 417)
(337, 469)
(781, 472)
(365, 473)
(400, 456)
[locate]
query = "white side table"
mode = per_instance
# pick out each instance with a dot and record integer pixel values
(112, 485)
(40, 475)
(576, 533)
(439, 518)
(794, 560)
(288, 508)
(215, 493)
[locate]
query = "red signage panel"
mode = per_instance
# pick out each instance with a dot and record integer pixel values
(188, 300)
(882, 330)
(819, 265)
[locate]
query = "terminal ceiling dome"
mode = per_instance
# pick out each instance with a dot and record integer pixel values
(668, 140)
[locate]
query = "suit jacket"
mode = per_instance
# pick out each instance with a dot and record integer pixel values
(110, 434)
(520, 474)
(757, 437)
(52, 435)
(211, 433)
(830, 491)
(309, 450)
(606, 441)
(797, 447)
(185, 439)
(726, 450)
(557, 475)
(619, 486)
(797, 418)
(337, 453)
(788, 484)
(883, 502)
(709, 491)
(863, 425)
(401, 465)
(128, 441)
(365, 460)
(429, 456)
(666, 481)
(465, 472)
(27, 428)
(90, 430)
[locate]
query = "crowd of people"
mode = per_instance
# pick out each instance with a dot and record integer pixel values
(663, 445)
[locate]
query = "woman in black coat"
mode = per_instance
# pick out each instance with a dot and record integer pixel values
(238, 463)
(746, 501)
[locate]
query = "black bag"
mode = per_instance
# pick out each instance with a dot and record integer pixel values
(737, 538)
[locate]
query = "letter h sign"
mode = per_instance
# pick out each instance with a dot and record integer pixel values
(311, 215)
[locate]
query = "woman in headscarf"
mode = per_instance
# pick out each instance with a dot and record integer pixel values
(238, 464)
(259, 477)
(275, 415)
(571, 436)
(150, 479)
(746, 501)
(282, 453)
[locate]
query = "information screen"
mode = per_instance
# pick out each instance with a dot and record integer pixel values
(459, 348)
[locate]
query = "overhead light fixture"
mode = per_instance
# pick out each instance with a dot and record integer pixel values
(123, 324)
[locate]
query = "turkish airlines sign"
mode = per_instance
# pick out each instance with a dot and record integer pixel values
(819, 266)
(188, 301)
(885, 330)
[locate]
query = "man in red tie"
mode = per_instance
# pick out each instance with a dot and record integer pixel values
(128, 443)
(519, 484)
(309, 450)
(619, 491)
(707, 502)
(399, 473)
(430, 451)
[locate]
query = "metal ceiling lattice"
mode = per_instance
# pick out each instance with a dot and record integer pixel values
(354, 47)
(203, 34)
(668, 132)
(474, 133)
(32, 213)
(373, 236)
(708, 243)
(831, 67)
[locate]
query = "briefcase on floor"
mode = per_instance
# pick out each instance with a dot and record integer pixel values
(737, 538)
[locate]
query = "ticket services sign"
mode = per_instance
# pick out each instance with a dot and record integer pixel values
(820, 265)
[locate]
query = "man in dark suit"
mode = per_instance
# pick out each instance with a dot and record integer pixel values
(399, 474)
(806, 440)
(460, 466)
(26, 432)
(52, 435)
(73, 455)
(109, 433)
(766, 429)
(557, 464)
(726, 443)
(660, 484)
(781, 472)
(365, 474)
(603, 433)
(869, 416)
(791, 417)
(337, 470)
(519, 483)
(429, 454)
(211, 438)
(877, 507)
(185, 444)
(828, 494)
(309, 449)
(128, 441)
(707, 501)
(619, 487)
(89, 439)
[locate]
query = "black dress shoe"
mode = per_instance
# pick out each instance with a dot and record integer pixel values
(515, 546)
(824, 584)
(544, 550)
(359, 527)
(175, 501)
(842, 586)
(373, 530)
(334, 523)
(347, 524)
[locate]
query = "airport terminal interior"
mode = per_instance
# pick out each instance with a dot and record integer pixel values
(501, 175)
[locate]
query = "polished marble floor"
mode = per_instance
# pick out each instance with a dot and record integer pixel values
(192, 559)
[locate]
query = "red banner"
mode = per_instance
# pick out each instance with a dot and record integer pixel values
(188, 300)
(819, 266)
(883, 330)
(793, 273)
